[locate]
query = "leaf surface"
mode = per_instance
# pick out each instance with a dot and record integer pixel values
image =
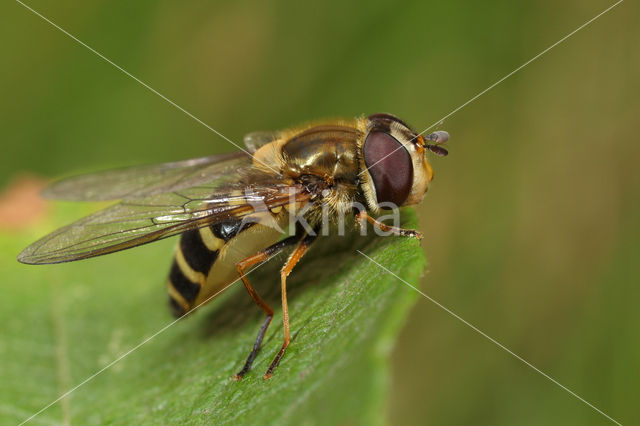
(63, 323)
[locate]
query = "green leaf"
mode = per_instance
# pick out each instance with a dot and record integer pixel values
(63, 323)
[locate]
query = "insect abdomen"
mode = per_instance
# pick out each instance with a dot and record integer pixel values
(190, 268)
(205, 260)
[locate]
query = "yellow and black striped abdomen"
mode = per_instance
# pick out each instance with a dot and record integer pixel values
(190, 267)
(205, 260)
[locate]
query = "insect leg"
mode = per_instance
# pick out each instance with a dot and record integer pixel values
(241, 266)
(362, 216)
(300, 250)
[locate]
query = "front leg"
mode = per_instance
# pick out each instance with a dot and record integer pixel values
(362, 217)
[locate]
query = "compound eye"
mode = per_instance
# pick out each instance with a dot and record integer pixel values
(390, 167)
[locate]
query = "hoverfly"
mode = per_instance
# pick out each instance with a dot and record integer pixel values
(229, 209)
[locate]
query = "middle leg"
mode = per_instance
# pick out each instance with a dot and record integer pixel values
(300, 250)
(261, 256)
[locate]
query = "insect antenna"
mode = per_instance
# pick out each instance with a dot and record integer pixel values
(438, 138)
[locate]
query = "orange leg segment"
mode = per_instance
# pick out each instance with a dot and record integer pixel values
(300, 250)
(242, 266)
(364, 216)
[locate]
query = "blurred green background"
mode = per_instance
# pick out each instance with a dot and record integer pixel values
(531, 226)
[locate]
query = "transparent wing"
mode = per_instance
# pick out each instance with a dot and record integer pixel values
(144, 181)
(254, 140)
(135, 222)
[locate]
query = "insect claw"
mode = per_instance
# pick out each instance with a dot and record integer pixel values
(417, 235)
(267, 376)
(236, 377)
